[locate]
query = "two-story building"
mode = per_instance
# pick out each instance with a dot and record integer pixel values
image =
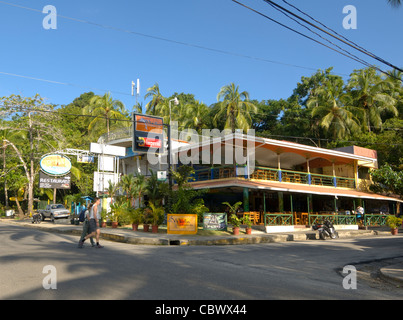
(280, 182)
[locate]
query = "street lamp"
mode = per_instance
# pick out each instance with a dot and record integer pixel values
(176, 102)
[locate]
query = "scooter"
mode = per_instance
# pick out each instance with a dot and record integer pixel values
(326, 229)
(36, 218)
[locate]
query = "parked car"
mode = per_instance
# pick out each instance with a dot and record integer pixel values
(54, 211)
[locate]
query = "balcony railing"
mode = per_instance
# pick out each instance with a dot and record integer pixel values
(271, 174)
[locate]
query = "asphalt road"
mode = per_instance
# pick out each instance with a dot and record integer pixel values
(292, 270)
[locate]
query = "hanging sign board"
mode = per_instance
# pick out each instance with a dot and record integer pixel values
(215, 221)
(55, 164)
(182, 224)
(148, 133)
(52, 182)
(107, 149)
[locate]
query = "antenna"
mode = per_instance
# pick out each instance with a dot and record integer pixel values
(137, 89)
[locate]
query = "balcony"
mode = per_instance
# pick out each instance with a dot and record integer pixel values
(271, 174)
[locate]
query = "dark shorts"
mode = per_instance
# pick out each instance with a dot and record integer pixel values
(93, 226)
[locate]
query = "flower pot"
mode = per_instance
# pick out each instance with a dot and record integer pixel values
(146, 227)
(248, 230)
(394, 231)
(103, 224)
(114, 224)
(154, 229)
(235, 231)
(135, 227)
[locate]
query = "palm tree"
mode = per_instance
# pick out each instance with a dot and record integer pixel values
(127, 182)
(331, 106)
(157, 98)
(104, 108)
(196, 116)
(140, 185)
(236, 106)
(368, 91)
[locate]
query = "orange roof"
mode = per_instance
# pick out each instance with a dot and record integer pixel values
(289, 187)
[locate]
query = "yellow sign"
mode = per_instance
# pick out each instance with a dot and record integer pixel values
(182, 224)
(55, 164)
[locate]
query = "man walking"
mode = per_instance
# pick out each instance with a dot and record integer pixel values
(86, 225)
(94, 215)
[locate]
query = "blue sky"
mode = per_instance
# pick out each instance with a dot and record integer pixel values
(93, 58)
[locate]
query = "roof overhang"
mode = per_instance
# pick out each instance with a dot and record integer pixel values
(289, 187)
(279, 147)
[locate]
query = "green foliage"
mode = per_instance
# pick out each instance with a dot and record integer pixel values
(246, 220)
(185, 199)
(233, 208)
(234, 220)
(393, 222)
(387, 180)
(157, 214)
(324, 110)
(136, 215)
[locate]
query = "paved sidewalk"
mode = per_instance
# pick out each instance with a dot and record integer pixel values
(394, 271)
(162, 238)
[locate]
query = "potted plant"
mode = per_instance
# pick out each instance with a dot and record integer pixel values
(146, 219)
(393, 222)
(117, 209)
(246, 220)
(136, 218)
(103, 218)
(157, 216)
(234, 220)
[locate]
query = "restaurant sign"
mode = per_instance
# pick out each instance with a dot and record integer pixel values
(147, 133)
(55, 164)
(52, 182)
(215, 221)
(182, 224)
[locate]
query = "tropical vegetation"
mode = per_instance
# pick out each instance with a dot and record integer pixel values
(324, 110)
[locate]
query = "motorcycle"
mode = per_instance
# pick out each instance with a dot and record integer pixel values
(326, 229)
(36, 218)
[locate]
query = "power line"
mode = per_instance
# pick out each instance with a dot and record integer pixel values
(349, 43)
(61, 83)
(320, 36)
(295, 31)
(164, 39)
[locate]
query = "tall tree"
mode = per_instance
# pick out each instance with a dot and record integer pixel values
(156, 99)
(237, 108)
(329, 106)
(104, 109)
(196, 116)
(368, 91)
(34, 117)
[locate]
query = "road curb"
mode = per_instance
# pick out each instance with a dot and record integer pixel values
(126, 236)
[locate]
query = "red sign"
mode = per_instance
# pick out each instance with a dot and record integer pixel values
(148, 133)
(149, 142)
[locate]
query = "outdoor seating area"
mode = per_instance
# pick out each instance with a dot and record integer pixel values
(271, 174)
(307, 219)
